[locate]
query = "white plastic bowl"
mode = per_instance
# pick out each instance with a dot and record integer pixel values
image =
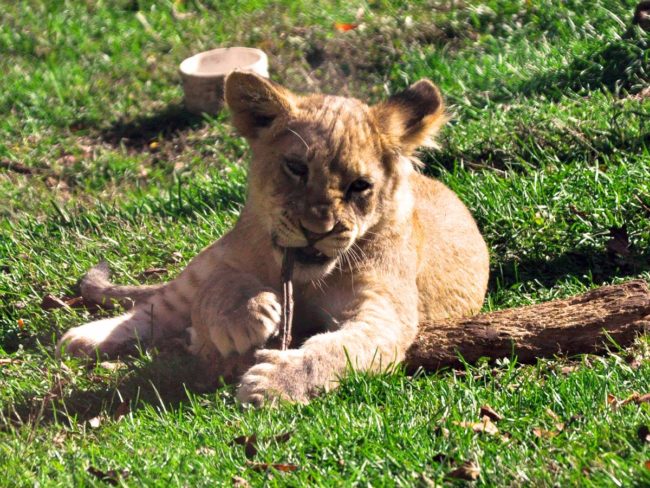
(203, 75)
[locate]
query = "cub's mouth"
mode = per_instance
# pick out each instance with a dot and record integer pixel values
(311, 255)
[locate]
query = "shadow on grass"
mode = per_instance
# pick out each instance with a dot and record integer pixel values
(535, 148)
(162, 382)
(600, 267)
(140, 132)
(619, 65)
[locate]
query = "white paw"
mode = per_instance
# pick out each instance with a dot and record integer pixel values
(250, 326)
(278, 375)
(102, 337)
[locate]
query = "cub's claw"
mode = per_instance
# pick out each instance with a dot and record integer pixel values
(278, 375)
(250, 326)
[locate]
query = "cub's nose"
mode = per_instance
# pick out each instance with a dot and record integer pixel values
(314, 232)
(317, 221)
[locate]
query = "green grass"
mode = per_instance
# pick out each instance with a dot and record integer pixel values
(549, 147)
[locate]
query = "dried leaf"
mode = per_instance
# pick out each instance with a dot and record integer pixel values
(642, 399)
(285, 468)
(344, 26)
(280, 438)
(112, 365)
(240, 482)
(632, 398)
(548, 434)
(95, 422)
(5, 361)
(51, 302)
(612, 401)
(75, 302)
(59, 438)
(485, 425)
(488, 411)
(153, 271)
(249, 442)
(552, 414)
(468, 471)
(647, 464)
(112, 476)
(568, 369)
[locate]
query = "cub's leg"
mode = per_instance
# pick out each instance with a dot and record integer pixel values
(163, 314)
(107, 337)
(372, 338)
(234, 312)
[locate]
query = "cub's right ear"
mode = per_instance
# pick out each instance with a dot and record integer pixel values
(255, 102)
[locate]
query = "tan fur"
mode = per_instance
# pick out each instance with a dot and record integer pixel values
(373, 261)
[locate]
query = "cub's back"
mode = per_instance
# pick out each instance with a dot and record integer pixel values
(453, 259)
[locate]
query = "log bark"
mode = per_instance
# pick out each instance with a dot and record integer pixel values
(577, 325)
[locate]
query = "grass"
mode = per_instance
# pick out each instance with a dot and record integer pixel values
(549, 147)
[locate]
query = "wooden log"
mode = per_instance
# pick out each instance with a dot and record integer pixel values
(577, 325)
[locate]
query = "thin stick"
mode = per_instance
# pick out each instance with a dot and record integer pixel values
(287, 296)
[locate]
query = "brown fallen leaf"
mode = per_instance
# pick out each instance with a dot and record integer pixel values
(75, 302)
(552, 414)
(51, 302)
(5, 361)
(280, 438)
(249, 442)
(153, 271)
(467, 471)
(59, 438)
(548, 434)
(488, 411)
(95, 422)
(612, 401)
(643, 433)
(240, 482)
(112, 365)
(647, 464)
(568, 369)
(634, 397)
(285, 468)
(642, 399)
(112, 476)
(485, 425)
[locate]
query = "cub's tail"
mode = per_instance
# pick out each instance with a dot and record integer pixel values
(96, 287)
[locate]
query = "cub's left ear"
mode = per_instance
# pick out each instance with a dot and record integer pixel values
(413, 117)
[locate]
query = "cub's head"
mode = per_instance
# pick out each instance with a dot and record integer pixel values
(328, 171)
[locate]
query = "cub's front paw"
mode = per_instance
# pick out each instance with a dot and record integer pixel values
(248, 326)
(278, 375)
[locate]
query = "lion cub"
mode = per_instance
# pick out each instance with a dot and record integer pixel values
(380, 247)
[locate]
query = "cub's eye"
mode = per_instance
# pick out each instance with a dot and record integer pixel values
(296, 168)
(359, 186)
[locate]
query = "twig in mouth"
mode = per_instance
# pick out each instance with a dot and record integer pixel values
(287, 296)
